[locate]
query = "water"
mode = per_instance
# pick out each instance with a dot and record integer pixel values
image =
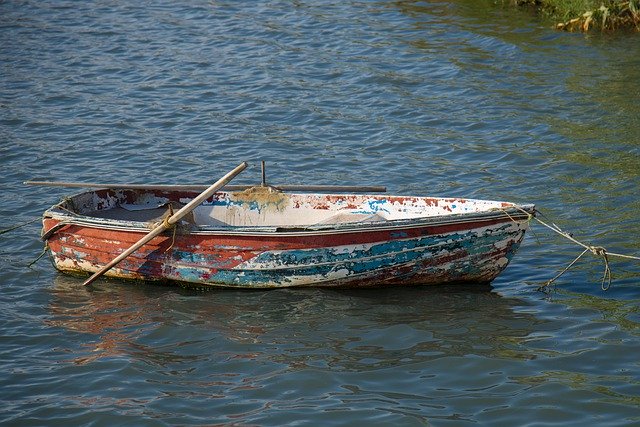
(462, 98)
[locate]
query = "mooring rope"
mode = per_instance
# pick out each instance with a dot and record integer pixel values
(598, 251)
(44, 251)
(6, 230)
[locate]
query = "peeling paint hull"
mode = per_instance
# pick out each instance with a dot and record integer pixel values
(248, 241)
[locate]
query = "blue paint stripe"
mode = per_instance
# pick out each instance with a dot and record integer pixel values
(453, 241)
(320, 262)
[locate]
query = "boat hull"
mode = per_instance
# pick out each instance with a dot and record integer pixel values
(415, 252)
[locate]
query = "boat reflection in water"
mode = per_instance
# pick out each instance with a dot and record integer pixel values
(335, 329)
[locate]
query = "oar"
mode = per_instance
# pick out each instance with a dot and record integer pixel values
(170, 221)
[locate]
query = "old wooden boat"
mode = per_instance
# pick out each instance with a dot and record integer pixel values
(265, 238)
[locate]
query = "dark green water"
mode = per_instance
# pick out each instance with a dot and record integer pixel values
(460, 98)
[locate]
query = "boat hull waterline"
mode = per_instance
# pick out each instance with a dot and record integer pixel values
(271, 239)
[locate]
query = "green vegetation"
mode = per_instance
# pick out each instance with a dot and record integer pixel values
(584, 15)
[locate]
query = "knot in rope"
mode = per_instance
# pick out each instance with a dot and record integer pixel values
(166, 223)
(169, 214)
(598, 251)
(606, 278)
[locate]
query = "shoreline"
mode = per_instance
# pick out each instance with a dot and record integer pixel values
(588, 15)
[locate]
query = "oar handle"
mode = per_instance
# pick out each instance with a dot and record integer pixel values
(172, 220)
(206, 193)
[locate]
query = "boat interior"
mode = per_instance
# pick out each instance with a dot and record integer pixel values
(264, 206)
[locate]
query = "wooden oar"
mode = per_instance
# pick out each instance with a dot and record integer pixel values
(198, 187)
(170, 221)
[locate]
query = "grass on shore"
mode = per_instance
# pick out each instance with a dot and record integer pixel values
(584, 15)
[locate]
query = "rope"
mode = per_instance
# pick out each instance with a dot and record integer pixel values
(6, 230)
(548, 282)
(44, 251)
(167, 225)
(597, 251)
(173, 239)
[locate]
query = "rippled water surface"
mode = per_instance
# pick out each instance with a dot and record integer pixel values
(463, 98)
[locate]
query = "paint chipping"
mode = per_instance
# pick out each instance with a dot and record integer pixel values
(326, 240)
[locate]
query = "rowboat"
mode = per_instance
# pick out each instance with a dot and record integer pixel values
(262, 237)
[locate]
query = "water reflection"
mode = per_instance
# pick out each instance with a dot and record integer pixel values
(338, 330)
(113, 318)
(622, 313)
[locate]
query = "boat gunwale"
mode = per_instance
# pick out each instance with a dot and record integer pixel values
(512, 213)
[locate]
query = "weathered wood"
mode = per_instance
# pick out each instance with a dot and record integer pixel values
(269, 240)
(170, 221)
(199, 187)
